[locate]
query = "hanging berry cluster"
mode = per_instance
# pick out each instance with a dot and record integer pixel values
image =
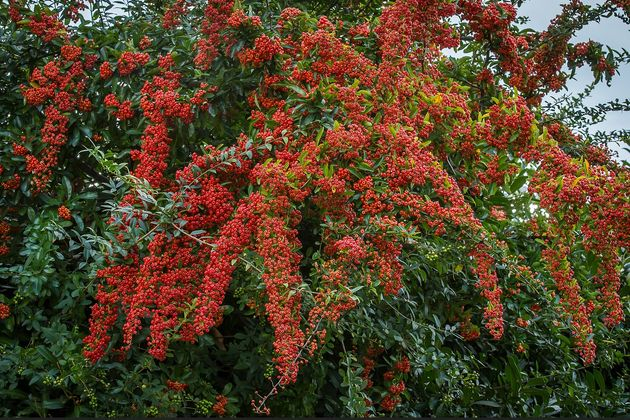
(59, 87)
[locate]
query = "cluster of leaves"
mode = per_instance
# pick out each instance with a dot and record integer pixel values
(367, 225)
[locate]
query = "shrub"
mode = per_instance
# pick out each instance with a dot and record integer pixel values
(237, 208)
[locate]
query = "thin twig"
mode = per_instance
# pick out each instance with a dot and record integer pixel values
(258, 409)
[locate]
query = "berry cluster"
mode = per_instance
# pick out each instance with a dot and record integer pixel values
(376, 151)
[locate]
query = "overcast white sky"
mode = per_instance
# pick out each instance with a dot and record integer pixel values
(611, 32)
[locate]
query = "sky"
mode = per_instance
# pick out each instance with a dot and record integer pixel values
(612, 32)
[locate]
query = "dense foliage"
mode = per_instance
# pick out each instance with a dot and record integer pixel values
(245, 207)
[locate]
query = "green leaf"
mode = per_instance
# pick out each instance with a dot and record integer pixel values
(68, 186)
(488, 403)
(518, 183)
(53, 404)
